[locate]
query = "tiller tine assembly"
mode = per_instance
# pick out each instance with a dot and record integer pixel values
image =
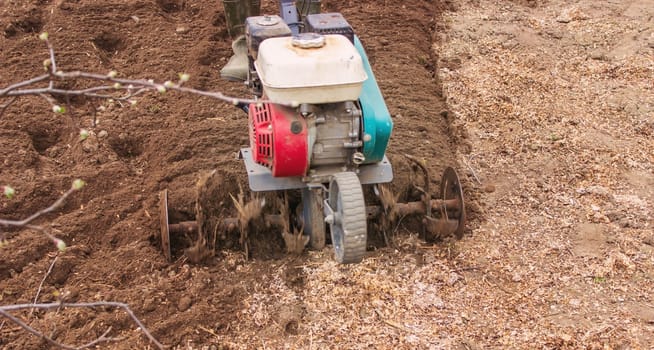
(443, 216)
(451, 207)
(191, 228)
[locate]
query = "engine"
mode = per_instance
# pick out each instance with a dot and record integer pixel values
(317, 138)
(327, 114)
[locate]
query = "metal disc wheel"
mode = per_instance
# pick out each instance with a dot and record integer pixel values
(348, 218)
(451, 190)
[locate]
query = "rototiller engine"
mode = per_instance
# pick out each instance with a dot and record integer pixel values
(323, 133)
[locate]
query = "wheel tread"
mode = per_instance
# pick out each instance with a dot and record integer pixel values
(354, 223)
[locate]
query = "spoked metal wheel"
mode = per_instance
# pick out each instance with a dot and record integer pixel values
(452, 192)
(346, 217)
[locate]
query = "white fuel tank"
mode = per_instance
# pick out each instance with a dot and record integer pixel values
(311, 68)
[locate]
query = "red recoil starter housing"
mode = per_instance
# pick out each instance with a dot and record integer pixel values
(278, 139)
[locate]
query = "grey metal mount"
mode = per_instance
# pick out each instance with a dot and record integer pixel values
(290, 15)
(260, 178)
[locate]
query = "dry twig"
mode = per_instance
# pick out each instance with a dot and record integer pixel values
(6, 105)
(472, 170)
(38, 291)
(25, 222)
(5, 311)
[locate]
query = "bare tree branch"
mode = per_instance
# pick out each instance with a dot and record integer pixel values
(38, 291)
(26, 221)
(125, 85)
(100, 339)
(5, 311)
(19, 322)
(53, 62)
(29, 329)
(6, 105)
(120, 89)
(8, 89)
(110, 88)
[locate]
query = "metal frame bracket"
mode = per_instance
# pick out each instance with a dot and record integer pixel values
(260, 178)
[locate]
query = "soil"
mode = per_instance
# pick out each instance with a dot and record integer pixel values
(545, 108)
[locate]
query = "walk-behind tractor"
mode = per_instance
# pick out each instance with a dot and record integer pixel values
(321, 138)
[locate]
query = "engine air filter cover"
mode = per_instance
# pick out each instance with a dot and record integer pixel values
(260, 28)
(330, 73)
(329, 23)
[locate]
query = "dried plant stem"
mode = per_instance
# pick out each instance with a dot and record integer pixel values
(4, 311)
(51, 208)
(6, 105)
(38, 291)
(472, 170)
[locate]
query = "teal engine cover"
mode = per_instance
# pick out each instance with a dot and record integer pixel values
(377, 123)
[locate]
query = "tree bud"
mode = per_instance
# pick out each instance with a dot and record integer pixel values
(78, 184)
(9, 192)
(184, 77)
(83, 134)
(61, 245)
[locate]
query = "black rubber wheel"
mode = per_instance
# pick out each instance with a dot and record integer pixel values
(348, 221)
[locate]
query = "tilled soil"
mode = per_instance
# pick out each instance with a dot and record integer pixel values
(545, 108)
(169, 142)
